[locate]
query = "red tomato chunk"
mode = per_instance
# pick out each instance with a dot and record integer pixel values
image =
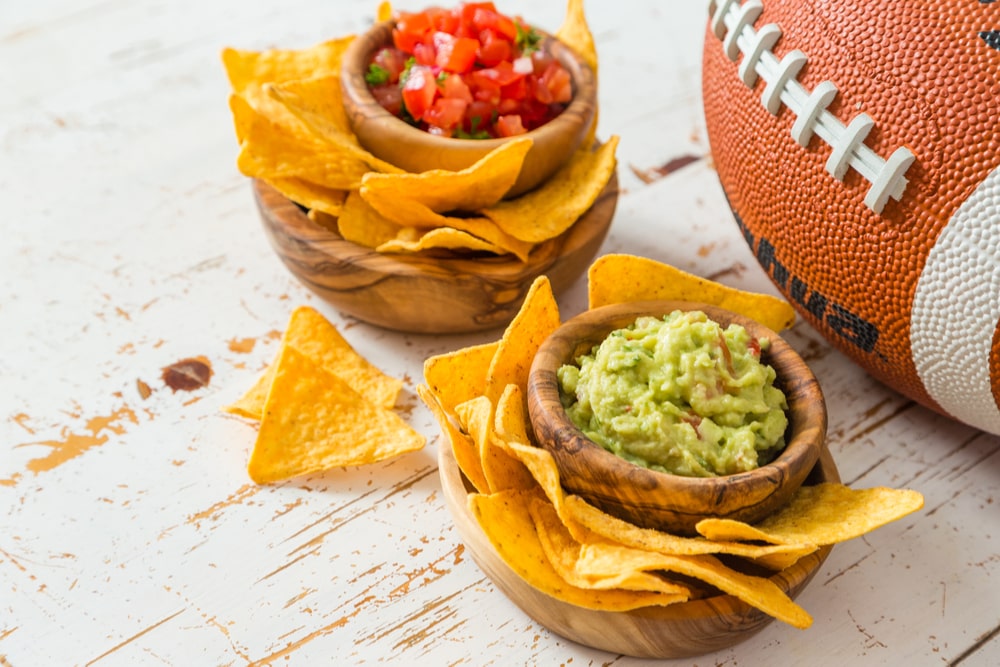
(469, 72)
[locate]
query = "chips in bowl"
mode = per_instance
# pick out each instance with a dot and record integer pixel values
(572, 551)
(295, 135)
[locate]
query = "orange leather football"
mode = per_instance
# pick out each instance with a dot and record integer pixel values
(858, 144)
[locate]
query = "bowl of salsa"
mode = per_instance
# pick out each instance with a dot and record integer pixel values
(441, 88)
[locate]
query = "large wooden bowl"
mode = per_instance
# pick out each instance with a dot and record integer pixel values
(660, 500)
(682, 630)
(445, 292)
(412, 149)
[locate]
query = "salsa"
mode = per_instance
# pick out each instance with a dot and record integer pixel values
(680, 395)
(468, 72)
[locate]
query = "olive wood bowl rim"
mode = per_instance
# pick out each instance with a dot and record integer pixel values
(689, 496)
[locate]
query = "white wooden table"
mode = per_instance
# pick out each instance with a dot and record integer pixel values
(129, 530)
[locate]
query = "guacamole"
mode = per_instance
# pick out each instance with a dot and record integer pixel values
(679, 394)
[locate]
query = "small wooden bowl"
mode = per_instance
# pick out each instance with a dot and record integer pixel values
(412, 149)
(659, 500)
(678, 631)
(446, 292)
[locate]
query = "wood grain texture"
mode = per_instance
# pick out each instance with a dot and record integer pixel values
(676, 631)
(414, 150)
(659, 500)
(442, 292)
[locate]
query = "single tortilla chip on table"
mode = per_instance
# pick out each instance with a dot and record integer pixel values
(313, 421)
(319, 340)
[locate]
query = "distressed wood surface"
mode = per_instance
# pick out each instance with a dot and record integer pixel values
(130, 533)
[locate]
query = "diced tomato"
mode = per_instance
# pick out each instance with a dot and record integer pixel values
(392, 61)
(447, 113)
(454, 54)
(510, 125)
(489, 19)
(419, 91)
(410, 30)
(558, 81)
(501, 75)
(390, 97)
(493, 50)
(443, 20)
(423, 54)
(478, 115)
(514, 91)
(470, 74)
(467, 11)
(454, 87)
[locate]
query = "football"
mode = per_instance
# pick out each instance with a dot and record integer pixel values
(858, 145)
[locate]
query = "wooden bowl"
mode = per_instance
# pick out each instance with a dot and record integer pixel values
(412, 149)
(682, 630)
(445, 292)
(659, 500)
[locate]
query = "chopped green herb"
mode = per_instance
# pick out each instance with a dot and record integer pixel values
(405, 74)
(527, 40)
(376, 75)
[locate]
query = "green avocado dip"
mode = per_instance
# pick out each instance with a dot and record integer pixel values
(679, 394)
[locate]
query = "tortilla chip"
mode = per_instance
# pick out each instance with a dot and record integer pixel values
(443, 238)
(465, 450)
(311, 334)
(359, 223)
(506, 520)
(549, 210)
(314, 421)
(575, 34)
(501, 470)
(316, 103)
(413, 199)
(455, 377)
(537, 318)
(628, 534)
(822, 514)
(758, 592)
(627, 278)
(250, 69)
(563, 553)
(384, 12)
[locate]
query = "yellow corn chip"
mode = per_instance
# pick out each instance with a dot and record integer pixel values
(551, 209)
(280, 147)
(455, 377)
(575, 34)
(384, 12)
(443, 238)
(507, 523)
(563, 553)
(465, 450)
(250, 69)
(314, 421)
(501, 470)
(628, 534)
(534, 322)
(412, 199)
(359, 223)
(822, 514)
(309, 101)
(627, 278)
(312, 335)
(758, 592)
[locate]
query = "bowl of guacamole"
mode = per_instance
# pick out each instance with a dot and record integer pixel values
(663, 413)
